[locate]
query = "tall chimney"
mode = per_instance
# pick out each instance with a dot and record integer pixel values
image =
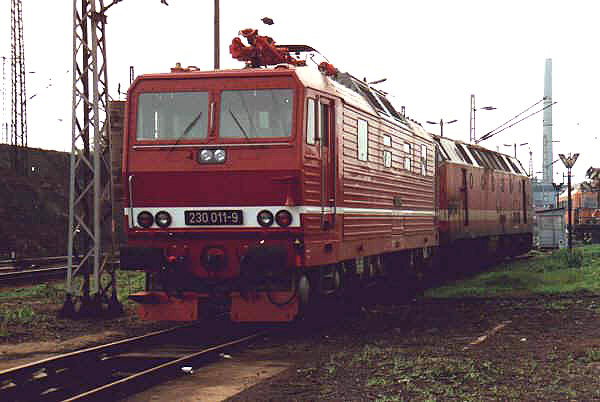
(547, 167)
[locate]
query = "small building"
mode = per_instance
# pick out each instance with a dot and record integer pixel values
(549, 230)
(545, 195)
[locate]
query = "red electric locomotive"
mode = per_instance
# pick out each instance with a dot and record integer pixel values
(485, 209)
(258, 190)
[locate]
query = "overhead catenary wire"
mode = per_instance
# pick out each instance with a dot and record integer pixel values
(501, 128)
(492, 132)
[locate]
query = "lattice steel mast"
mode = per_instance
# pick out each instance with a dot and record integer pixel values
(90, 240)
(89, 200)
(4, 129)
(19, 98)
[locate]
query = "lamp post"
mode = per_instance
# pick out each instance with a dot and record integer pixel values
(569, 161)
(441, 123)
(472, 137)
(515, 145)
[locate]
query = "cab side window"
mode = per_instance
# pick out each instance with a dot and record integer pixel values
(310, 121)
(363, 139)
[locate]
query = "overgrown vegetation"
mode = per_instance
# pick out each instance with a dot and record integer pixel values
(128, 282)
(19, 304)
(562, 271)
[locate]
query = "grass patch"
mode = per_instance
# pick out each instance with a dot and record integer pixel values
(49, 292)
(593, 355)
(20, 307)
(559, 272)
(127, 282)
(20, 315)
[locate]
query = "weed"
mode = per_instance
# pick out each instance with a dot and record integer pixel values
(20, 315)
(378, 381)
(386, 398)
(558, 305)
(367, 355)
(592, 355)
(331, 369)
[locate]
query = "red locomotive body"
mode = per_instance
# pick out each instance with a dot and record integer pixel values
(240, 182)
(485, 208)
(258, 191)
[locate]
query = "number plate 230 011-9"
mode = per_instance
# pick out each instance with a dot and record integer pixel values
(214, 217)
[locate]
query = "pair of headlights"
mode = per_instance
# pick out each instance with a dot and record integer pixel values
(162, 219)
(212, 156)
(283, 218)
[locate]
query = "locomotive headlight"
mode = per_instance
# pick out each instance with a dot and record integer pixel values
(206, 156)
(145, 219)
(162, 219)
(283, 218)
(265, 218)
(220, 155)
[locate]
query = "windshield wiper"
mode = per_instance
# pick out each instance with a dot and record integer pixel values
(239, 125)
(187, 129)
(190, 126)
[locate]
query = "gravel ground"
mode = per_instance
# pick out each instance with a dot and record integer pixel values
(534, 348)
(537, 348)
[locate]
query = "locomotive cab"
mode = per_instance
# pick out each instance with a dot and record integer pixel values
(212, 172)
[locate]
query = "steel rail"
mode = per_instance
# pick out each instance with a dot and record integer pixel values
(102, 390)
(90, 373)
(34, 260)
(18, 270)
(40, 273)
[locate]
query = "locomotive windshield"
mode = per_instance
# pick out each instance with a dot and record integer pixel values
(172, 115)
(257, 113)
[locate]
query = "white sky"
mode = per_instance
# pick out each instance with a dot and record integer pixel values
(434, 54)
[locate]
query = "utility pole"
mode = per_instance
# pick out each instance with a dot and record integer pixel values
(472, 110)
(90, 240)
(530, 164)
(569, 162)
(19, 97)
(515, 146)
(4, 128)
(441, 123)
(89, 175)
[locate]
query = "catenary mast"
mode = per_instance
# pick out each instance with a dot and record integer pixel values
(19, 97)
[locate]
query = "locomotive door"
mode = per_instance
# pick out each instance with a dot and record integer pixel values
(326, 136)
(465, 200)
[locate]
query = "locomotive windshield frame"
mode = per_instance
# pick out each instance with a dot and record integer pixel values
(206, 110)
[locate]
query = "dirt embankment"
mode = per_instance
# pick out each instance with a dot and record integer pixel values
(34, 208)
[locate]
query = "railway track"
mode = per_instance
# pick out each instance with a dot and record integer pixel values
(22, 263)
(32, 270)
(114, 370)
(11, 275)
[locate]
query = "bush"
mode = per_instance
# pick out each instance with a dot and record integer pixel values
(569, 258)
